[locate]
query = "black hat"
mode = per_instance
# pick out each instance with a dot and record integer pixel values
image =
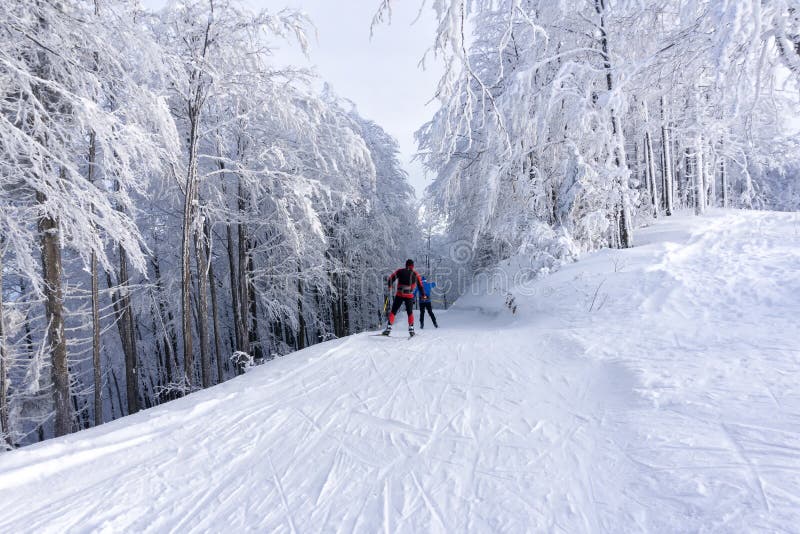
(409, 263)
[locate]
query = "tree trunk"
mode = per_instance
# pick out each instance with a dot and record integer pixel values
(687, 187)
(651, 173)
(97, 374)
(669, 181)
(244, 294)
(254, 341)
(54, 316)
(235, 292)
(711, 177)
(194, 106)
(623, 212)
(212, 281)
(119, 394)
(202, 309)
(97, 371)
(301, 320)
(170, 336)
(723, 182)
(126, 327)
(5, 429)
(162, 365)
(186, 272)
(215, 316)
(699, 178)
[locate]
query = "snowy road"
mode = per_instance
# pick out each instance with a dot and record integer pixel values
(654, 389)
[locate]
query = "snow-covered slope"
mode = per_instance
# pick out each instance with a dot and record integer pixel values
(653, 389)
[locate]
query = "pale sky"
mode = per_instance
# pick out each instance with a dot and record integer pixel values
(380, 75)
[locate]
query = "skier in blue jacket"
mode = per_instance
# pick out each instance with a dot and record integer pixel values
(425, 302)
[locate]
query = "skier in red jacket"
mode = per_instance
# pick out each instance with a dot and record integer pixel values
(407, 281)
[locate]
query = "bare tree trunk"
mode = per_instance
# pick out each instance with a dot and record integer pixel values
(54, 315)
(214, 313)
(723, 175)
(699, 178)
(669, 181)
(127, 333)
(254, 341)
(234, 271)
(215, 317)
(650, 173)
(244, 293)
(687, 187)
(97, 372)
(5, 429)
(194, 108)
(301, 320)
(98, 380)
(186, 272)
(235, 293)
(165, 318)
(711, 176)
(202, 308)
(119, 394)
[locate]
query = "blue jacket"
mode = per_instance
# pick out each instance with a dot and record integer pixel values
(428, 287)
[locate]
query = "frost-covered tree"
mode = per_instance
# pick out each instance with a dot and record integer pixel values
(148, 155)
(215, 48)
(56, 72)
(585, 117)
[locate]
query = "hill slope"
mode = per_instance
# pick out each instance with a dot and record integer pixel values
(653, 389)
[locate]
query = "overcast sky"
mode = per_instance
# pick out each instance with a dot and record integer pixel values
(381, 75)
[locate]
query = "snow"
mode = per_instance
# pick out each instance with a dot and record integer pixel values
(651, 389)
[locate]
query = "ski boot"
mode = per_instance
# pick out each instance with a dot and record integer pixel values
(387, 331)
(411, 331)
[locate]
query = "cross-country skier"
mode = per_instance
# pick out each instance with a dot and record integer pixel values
(425, 302)
(407, 280)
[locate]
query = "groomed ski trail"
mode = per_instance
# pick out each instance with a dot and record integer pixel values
(671, 406)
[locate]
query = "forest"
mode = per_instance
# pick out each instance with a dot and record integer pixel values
(175, 206)
(564, 126)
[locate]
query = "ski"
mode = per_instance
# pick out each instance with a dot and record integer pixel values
(395, 337)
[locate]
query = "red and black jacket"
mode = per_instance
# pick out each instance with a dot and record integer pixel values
(407, 281)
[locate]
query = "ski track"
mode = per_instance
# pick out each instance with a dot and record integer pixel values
(674, 406)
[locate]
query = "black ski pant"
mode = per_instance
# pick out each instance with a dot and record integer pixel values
(426, 306)
(399, 301)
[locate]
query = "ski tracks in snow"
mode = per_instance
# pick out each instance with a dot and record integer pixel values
(665, 409)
